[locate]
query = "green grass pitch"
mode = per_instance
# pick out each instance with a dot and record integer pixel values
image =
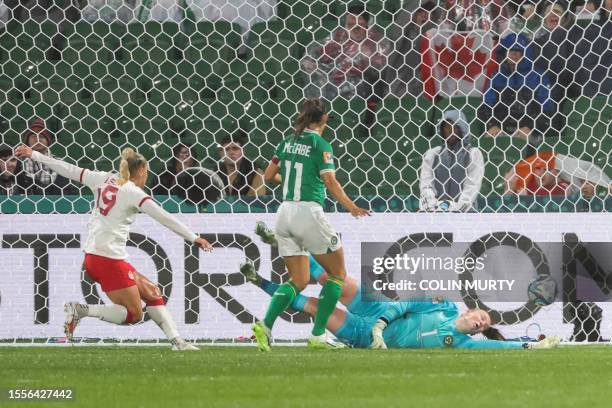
(296, 376)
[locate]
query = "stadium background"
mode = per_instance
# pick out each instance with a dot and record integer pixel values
(102, 85)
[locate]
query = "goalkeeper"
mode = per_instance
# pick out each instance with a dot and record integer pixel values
(410, 324)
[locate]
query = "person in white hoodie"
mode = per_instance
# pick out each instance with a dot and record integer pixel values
(451, 174)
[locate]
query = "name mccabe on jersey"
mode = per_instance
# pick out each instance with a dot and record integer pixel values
(297, 148)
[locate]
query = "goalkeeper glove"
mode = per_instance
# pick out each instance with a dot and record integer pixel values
(378, 342)
(547, 343)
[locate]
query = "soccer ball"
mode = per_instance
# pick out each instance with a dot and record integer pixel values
(542, 290)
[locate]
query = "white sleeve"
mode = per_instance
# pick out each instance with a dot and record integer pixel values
(473, 180)
(428, 200)
(91, 179)
(148, 206)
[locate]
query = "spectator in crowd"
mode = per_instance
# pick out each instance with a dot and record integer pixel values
(241, 176)
(40, 179)
(594, 55)
(245, 13)
(60, 12)
(183, 157)
(411, 23)
(554, 46)
(518, 99)
(549, 173)
(10, 173)
(350, 62)
(451, 175)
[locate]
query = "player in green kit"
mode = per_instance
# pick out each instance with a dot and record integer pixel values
(304, 166)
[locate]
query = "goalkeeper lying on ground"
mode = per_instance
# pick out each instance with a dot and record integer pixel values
(409, 324)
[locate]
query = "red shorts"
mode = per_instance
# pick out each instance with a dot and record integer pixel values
(111, 274)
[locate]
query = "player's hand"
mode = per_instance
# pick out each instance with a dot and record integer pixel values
(360, 212)
(203, 244)
(378, 342)
(547, 343)
(23, 151)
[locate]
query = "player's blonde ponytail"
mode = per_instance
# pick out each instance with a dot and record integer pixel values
(130, 162)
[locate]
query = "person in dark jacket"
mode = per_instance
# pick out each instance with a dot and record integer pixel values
(241, 176)
(38, 178)
(555, 46)
(518, 99)
(11, 176)
(183, 157)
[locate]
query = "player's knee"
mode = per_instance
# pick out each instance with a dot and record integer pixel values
(156, 301)
(134, 315)
(301, 282)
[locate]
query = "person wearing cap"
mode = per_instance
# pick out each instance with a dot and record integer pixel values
(39, 178)
(552, 174)
(518, 99)
(11, 176)
(451, 175)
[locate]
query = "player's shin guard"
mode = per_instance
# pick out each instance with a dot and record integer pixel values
(116, 314)
(330, 293)
(282, 298)
(160, 315)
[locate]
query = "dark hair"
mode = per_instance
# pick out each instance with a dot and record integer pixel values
(493, 334)
(359, 10)
(312, 111)
(177, 149)
(239, 138)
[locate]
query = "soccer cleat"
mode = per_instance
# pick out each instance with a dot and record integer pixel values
(72, 319)
(248, 270)
(178, 344)
(262, 336)
(547, 343)
(265, 233)
(322, 342)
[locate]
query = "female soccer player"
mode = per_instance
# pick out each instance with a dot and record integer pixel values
(410, 324)
(304, 164)
(117, 198)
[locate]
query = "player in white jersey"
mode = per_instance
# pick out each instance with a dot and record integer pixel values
(117, 198)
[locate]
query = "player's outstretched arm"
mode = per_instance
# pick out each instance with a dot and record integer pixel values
(336, 190)
(60, 167)
(162, 216)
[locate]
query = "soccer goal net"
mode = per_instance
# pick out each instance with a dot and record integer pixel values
(466, 124)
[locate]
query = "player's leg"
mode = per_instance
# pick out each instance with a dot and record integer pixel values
(156, 307)
(282, 298)
(332, 289)
(116, 278)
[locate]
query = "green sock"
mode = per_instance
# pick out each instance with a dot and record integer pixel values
(282, 298)
(327, 303)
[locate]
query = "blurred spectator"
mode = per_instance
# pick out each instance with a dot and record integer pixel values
(451, 175)
(518, 99)
(10, 173)
(183, 157)
(554, 46)
(133, 10)
(245, 13)
(594, 56)
(406, 34)
(43, 10)
(548, 173)
(4, 14)
(39, 178)
(602, 9)
(109, 11)
(240, 175)
(350, 62)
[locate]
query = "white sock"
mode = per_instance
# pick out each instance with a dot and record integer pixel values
(109, 313)
(161, 316)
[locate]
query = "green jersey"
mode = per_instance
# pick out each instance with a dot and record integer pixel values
(302, 160)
